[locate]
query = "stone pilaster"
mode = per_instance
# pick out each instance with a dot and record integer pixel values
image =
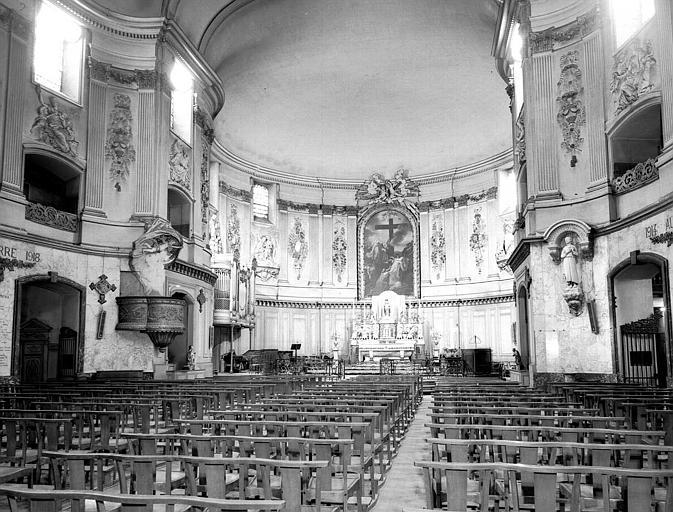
(594, 87)
(663, 53)
(95, 173)
(16, 77)
(542, 138)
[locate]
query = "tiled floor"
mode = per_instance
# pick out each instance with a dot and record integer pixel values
(403, 488)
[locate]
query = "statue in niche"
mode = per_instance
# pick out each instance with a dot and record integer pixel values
(572, 293)
(569, 256)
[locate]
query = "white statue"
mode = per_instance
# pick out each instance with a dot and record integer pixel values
(569, 256)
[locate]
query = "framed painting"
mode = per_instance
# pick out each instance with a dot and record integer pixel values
(388, 252)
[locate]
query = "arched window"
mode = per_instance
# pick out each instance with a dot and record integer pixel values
(628, 16)
(182, 101)
(179, 212)
(58, 51)
(260, 202)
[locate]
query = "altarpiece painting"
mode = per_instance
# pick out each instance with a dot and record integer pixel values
(388, 252)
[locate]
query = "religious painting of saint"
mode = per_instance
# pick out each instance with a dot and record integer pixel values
(387, 260)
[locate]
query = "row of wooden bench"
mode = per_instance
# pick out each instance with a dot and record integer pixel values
(499, 447)
(321, 445)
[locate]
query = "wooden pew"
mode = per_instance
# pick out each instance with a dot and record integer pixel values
(453, 483)
(52, 501)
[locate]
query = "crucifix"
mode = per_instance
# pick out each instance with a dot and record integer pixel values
(390, 227)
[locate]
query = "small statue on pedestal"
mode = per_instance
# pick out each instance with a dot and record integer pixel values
(191, 359)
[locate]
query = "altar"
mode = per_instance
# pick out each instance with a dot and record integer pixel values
(391, 328)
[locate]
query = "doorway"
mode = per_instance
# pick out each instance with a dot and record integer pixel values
(48, 327)
(522, 312)
(642, 319)
(177, 350)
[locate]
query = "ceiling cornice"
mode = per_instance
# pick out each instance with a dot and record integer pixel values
(502, 160)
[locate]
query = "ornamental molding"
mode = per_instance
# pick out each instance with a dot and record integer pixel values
(437, 246)
(632, 73)
(53, 126)
(265, 251)
(114, 23)
(205, 181)
(572, 113)
(459, 201)
(119, 144)
(478, 239)
(203, 121)
(133, 78)
(195, 272)
(554, 38)
(479, 301)
(234, 231)
(235, 193)
(378, 190)
(297, 246)
(339, 250)
(520, 137)
(642, 174)
(286, 205)
(50, 216)
(179, 164)
(580, 232)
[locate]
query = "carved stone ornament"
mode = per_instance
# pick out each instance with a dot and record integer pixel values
(146, 78)
(478, 238)
(649, 325)
(215, 234)
(179, 164)
(235, 193)
(502, 255)
(632, 73)
(572, 114)
(641, 174)
(205, 181)
(555, 37)
(161, 318)
(102, 287)
(339, 248)
(152, 252)
(201, 299)
(233, 230)
(297, 246)
(50, 216)
(265, 255)
(437, 247)
(580, 231)
(520, 137)
(574, 297)
(11, 264)
(54, 127)
(119, 144)
(377, 189)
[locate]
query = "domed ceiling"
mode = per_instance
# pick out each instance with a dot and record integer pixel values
(343, 88)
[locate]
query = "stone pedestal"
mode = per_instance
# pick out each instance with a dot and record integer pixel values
(186, 374)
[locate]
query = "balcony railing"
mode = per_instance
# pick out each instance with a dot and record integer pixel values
(640, 175)
(50, 216)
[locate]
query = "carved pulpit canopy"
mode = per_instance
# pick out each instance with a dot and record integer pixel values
(581, 234)
(378, 190)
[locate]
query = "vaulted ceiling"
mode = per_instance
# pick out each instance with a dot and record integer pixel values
(343, 88)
